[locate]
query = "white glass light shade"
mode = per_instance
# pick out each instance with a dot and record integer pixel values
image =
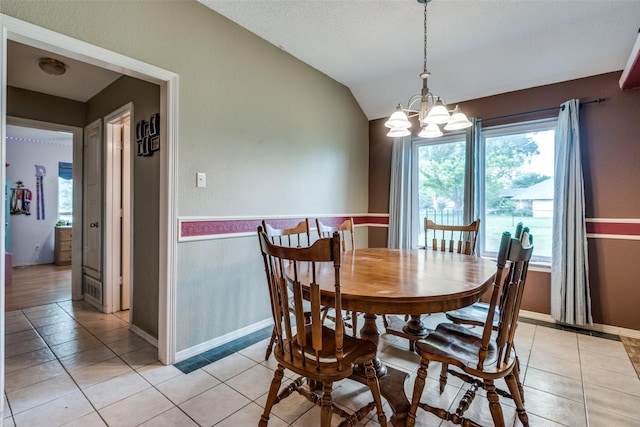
(430, 131)
(458, 120)
(398, 132)
(438, 114)
(398, 119)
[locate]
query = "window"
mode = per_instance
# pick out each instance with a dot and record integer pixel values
(440, 178)
(517, 184)
(515, 168)
(65, 192)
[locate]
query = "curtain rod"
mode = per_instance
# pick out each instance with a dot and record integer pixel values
(595, 101)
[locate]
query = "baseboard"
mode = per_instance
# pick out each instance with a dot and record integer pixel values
(221, 340)
(144, 335)
(608, 329)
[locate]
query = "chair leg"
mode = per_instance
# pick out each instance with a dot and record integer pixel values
(272, 342)
(273, 394)
(516, 373)
(354, 322)
(514, 389)
(327, 405)
(443, 376)
(418, 387)
(494, 404)
(374, 386)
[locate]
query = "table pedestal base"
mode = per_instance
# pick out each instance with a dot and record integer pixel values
(413, 330)
(392, 389)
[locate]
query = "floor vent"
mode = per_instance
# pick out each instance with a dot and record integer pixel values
(92, 288)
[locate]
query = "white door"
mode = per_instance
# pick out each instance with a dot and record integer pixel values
(92, 218)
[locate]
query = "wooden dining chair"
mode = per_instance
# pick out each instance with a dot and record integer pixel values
(292, 236)
(313, 351)
(481, 357)
(437, 237)
(347, 242)
(476, 314)
(345, 230)
(300, 235)
(451, 238)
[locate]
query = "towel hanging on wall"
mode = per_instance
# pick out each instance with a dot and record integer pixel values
(41, 171)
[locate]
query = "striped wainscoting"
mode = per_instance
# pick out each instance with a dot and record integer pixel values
(207, 228)
(613, 228)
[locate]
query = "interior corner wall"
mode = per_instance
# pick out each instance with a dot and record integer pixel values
(274, 136)
(609, 134)
(31, 105)
(145, 177)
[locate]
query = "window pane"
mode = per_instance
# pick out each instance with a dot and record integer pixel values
(65, 192)
(441, 171)
(518, 186)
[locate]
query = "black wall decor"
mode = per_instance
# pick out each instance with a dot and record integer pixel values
(148, 135)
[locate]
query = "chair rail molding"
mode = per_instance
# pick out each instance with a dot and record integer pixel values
(194, 228)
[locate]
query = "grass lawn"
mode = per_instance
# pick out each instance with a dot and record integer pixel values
(540, 228)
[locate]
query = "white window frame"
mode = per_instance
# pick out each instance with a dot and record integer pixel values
(479, 198)
(492, 132)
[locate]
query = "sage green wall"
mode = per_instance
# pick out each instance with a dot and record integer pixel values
(146, 195)
(274, 136)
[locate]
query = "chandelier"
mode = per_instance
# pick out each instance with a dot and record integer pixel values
(432, 112)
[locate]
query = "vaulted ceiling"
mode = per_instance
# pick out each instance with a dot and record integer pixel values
(476, 48)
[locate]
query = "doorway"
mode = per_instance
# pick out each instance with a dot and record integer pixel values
(118, 208)
(40, 148)
(57, 43)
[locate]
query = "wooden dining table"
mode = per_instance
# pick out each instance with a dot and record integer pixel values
(384, 281)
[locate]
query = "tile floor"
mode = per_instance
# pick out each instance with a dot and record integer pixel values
(67, 364)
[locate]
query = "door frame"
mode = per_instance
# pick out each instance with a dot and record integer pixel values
(117, 241)
(33, 35)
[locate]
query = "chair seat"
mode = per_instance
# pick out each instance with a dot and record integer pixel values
(355, 351)
(459, 346)
(475, 314)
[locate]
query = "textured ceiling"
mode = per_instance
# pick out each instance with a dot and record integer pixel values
(476, 48)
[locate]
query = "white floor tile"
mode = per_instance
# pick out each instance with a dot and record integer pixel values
(56, 412)
(115, 389)
(136, 409)
(214, 405)
(184, 387)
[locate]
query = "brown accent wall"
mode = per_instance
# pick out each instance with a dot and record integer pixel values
(610, 135)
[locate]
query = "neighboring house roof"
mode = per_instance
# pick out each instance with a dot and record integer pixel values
(540, 191)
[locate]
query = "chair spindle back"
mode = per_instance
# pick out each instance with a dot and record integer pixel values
(508, 286)
(451, 238)
(293, 236)
(345, 229)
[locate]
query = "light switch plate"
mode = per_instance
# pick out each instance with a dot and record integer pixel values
(201, 179)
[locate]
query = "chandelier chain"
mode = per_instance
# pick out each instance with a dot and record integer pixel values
(425, 38)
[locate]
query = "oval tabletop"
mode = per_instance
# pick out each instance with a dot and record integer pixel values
(412, 281)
